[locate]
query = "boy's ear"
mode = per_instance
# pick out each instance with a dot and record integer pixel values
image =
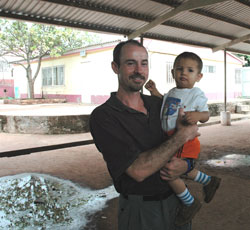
(172, 71)
(199, 77)
(114, 67)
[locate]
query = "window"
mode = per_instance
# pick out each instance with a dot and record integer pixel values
(237, 76)
(53, 75)
(169, 67)
(4, 66)
(209, 69)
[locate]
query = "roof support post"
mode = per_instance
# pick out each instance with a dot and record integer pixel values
(225, 116)
(141, 41)
(225, 80)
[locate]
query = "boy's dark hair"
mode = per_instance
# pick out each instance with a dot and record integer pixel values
(118, 48)
(192, 56)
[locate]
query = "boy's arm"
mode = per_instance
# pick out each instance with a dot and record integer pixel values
(195, 116)
(151, 87)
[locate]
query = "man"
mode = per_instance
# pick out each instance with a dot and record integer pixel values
(127, 131)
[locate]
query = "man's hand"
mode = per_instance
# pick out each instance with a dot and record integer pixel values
(173, 169)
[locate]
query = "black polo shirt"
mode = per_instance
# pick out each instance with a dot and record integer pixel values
(121, 134)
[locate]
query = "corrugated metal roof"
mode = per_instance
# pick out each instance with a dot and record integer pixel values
(218, 23)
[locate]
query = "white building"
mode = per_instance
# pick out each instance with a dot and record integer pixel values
(85, 75)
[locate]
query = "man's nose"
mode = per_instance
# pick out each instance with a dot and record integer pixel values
(138, 68)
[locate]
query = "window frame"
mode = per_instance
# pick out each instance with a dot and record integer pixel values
(54, 80)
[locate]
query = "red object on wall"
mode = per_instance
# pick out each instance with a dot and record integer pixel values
(7, 88)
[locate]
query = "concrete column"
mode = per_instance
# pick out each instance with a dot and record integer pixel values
(225, 118)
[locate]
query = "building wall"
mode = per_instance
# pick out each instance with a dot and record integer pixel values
(90, 79)
(246, 82)
(97, 79)
(6, 80)
(6, 88)
(211, 83)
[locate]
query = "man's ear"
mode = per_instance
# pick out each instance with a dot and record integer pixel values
(114, 67)
(199, 77)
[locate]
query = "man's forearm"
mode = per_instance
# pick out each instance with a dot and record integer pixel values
(153, 160)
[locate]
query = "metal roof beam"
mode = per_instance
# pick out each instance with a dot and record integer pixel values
(188, 42)
(87, 5)
(220, 18)
(245, 2)
(59, 22)
(197, 29)
(189, 5)
(117, 12)
(231, 43)
(209, 14)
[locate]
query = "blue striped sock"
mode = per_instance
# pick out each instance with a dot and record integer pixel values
(186, 198)
(202, 178)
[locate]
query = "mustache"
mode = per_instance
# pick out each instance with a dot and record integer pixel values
(137, 76)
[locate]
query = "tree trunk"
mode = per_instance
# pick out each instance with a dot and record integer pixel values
(30, 84)
(31, 89)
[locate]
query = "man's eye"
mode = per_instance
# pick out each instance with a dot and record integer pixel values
(191, 70)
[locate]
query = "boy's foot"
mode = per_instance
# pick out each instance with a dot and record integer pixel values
(210, 189)
(186, 213)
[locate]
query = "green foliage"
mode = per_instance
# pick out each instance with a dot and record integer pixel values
(247, 59)
(30, 41)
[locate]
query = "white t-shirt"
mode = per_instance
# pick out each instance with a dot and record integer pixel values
(190, 99)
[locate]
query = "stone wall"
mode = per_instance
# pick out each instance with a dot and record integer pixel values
(73, 123)
(45, 124)
(33, 101)
(216, 108)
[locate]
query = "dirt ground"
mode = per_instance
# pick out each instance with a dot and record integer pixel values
(230, 208)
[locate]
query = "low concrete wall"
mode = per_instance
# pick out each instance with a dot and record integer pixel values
(216, 108)
(74, 123)
(45, 124)
(33, 101)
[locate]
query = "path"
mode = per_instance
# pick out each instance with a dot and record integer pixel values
(84, 165)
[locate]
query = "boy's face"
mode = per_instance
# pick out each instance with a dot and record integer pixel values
(186, 73)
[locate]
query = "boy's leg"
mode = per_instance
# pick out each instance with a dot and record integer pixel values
(210, 183)
(181, 191)
(190, 205)
(192, 174)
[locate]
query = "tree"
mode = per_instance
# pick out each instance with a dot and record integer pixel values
(246, 58)
(28, 42)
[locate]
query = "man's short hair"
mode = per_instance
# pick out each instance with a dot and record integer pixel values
(189, 55)
(118, 48)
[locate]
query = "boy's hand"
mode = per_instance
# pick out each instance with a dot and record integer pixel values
(150, 86)
(188, 131)
(191, 118)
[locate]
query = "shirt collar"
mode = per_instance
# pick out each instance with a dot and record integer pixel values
(115, 103)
